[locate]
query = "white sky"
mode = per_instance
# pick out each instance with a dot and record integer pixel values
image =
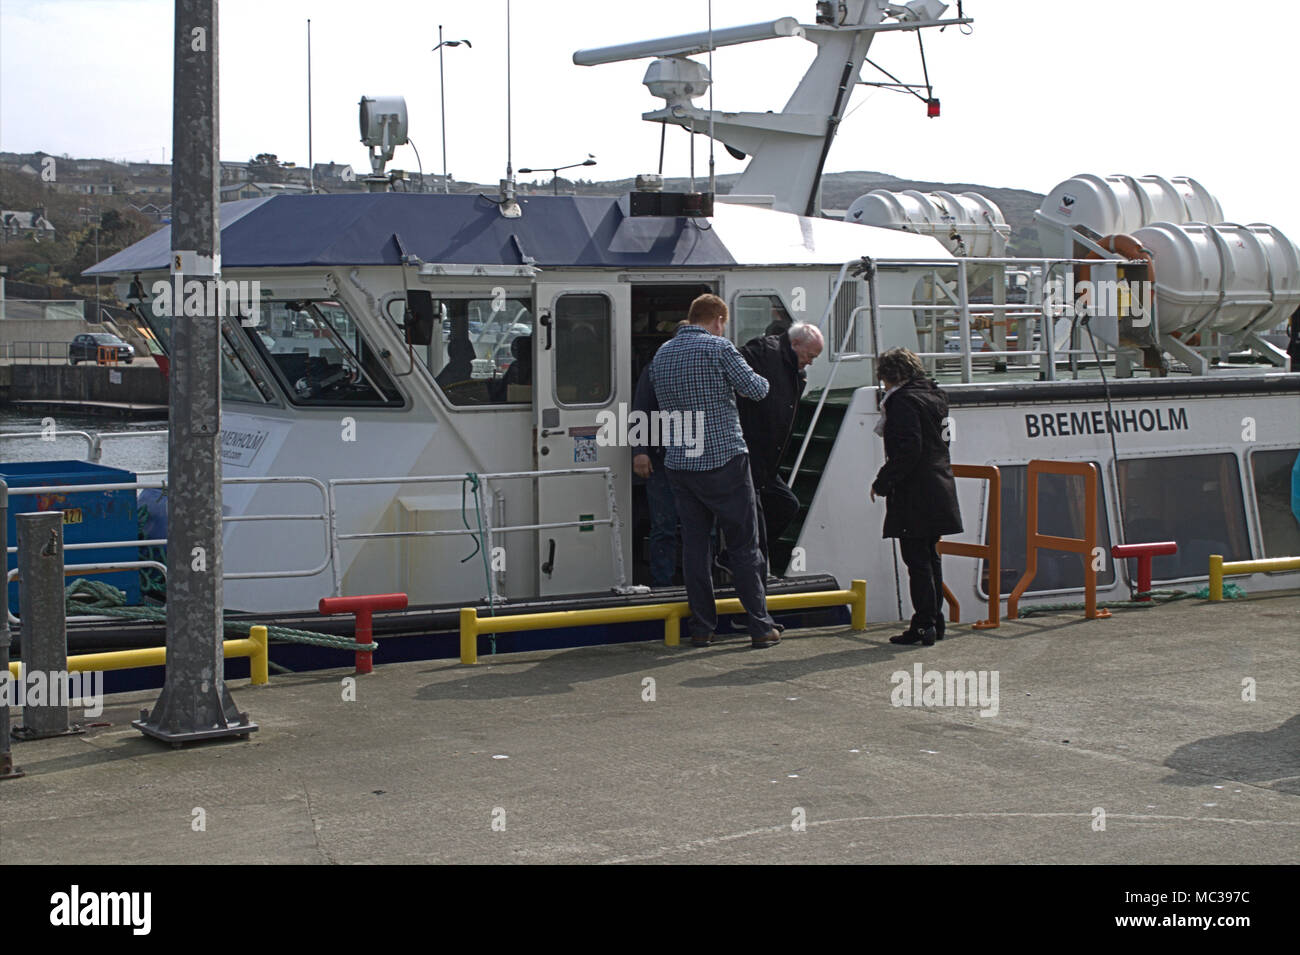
(1042, 90)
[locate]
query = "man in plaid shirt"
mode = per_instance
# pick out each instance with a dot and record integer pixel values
(698, 374)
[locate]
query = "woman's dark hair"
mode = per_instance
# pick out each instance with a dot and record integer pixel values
(899, 365)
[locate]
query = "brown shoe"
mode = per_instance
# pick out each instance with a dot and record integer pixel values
(704, 641)
(770, 639)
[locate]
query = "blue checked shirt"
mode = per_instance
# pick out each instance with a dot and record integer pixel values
(696, 371)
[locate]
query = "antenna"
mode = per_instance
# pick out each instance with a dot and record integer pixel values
(713, 181)
(510, 173)
(508, 204)
(311, 167)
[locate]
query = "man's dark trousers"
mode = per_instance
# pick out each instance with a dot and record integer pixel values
(777, 507)
(925, 581)
(663, 526)
(724, 494)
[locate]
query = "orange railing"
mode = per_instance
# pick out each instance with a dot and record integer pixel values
(1084, 546)
(992, 551)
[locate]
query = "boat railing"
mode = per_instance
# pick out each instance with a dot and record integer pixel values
(99, 567)
(156, 483)
(329, 513)
(488, 532)
(94, 441)
(1043, 309)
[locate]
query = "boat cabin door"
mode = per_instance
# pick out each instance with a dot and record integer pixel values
(580, 332)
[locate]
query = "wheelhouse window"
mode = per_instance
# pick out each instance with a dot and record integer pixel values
(320, 357)
(237, 383)
(1061, 512)
(584, 348)
(1276, 476)
(481, 350)
(1194, 500)
(756, 315)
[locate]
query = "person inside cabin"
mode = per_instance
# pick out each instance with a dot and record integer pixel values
(698, 374)
(781, 357)
(917, 484)
(460, 364)
(520, 372)
(648, 464)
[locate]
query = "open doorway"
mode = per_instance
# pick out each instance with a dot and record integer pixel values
(656, 311)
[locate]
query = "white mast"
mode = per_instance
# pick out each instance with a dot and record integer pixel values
(788, 148)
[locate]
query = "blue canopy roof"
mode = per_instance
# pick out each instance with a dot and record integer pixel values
(365, 229)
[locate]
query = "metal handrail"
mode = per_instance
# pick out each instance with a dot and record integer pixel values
(1047, 351)
(232, 519)
(52, 436)
(95, 568)
(102, 436)
(613, 520)
(94, 441)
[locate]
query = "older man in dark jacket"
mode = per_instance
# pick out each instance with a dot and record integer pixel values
(781, 359)
(917, 484)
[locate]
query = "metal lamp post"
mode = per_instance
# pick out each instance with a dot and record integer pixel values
(555, 171)
(442, 94)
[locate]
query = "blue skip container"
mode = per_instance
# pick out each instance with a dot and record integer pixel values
(88, 516)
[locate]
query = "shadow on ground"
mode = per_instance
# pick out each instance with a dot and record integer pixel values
(1270, 759)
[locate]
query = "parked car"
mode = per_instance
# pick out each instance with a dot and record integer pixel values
(86, 348)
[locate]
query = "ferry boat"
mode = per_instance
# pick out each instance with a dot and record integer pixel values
(416, 401)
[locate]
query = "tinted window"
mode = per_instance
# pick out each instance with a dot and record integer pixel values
(1273, 474)
(759, 315)
(1194, 500)
(583, 349)
(236, 382)
(1060, 514)
(320, 356)
(483, 352)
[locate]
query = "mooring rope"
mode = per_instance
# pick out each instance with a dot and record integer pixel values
(1231, 591)
(94, 597)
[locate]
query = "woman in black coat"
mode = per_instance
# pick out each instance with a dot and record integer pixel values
(917, 485)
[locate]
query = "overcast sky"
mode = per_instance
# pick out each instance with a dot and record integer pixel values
(1041, 90)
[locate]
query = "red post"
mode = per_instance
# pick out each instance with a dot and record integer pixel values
(1144, 553)
(362, 606)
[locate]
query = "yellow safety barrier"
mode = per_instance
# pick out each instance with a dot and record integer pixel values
(254, 646)
(1219, 570)
(472, 625)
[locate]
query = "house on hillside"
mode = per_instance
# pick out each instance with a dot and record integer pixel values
(14, 224)
(82, 187)
(233, 172)
(334, 176)
(258, 190)
(159, 213)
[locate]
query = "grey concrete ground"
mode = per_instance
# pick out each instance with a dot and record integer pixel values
(1140, 717)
